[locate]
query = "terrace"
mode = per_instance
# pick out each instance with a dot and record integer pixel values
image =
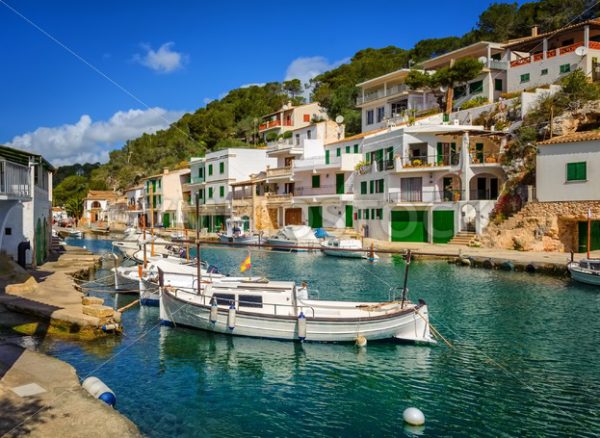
(14, 181)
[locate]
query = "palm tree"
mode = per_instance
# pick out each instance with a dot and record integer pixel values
(74, 208)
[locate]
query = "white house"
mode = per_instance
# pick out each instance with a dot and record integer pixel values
(25, 204)
(164, 198)
(275, 125)
(568, 168)
(96, 204)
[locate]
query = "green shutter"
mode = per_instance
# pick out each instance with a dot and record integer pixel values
(221, 191)
(565, 68)
(359, 213)
(339, 183)
(315, 217)
(349, 216)
(348, 149)
(210, 191)
(356, 149)
(372, 186)
(498, 84)
(363, 187)
(209, 169)
(443, 226)
(327, 157)
(577, 171)
(440, 153)
(316, 181)
(221, 167)
(366, 214)
(338, 152)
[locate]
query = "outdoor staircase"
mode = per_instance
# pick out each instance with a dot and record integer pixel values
(55, 245)
(463, 238)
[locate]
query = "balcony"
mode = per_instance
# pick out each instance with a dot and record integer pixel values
(196, 180)
(485, 158)
(428, 161)
(14, 181)
(279, 172)
(327, 190)
(425, 196)
(274, 124)
(498, 65)
(381, 93)
(537, 57)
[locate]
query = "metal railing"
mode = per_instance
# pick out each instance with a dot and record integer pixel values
(278, 171)
(14, 179)
(425, 196)
(483, 195)
(330, 189)
(536, 57)
(484, 157)
(378, 94)
(430, 160)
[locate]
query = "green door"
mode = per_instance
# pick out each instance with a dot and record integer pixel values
(479, 152)
(349, 216)
(166, 220)
(583, 232)
(440, 154)
(409, 226)
(339, 183)
(327, 157)
(315, 217)
(443, 226)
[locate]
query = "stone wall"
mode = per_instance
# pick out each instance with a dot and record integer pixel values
(542, 226)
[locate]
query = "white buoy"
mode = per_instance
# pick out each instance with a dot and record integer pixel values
(231, 317)
(301, 326)
(214, 311)
(361, 341)
(99, 390)
(413, 416)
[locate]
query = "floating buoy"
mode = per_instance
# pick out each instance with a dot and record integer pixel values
(214, 311)
(361, 341)
(110, 327)
(464, 261)
(301, 326)
(231, 317)
(507, 266)
(413, 416)
(99, 390)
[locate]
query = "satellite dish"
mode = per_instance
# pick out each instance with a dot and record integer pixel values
(482, 59)
(339, 119)
(581, 51)
(443, 88)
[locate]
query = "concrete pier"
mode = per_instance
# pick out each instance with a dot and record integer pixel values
(41, 397)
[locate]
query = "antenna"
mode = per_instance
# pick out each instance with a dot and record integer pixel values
(581, 51)
(339, 119)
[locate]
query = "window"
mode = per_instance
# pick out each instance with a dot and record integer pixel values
(306, 117)
(297, 139)
(8, 231)
(347, 149)
(565, 68)
(363, 187)
(356, 148)
(544, 72)
(210, 193)
(399, 107)
(222, 191)
(372, 186)
(476, 87)
(459, 91)
(359, 214)
(224, 299)
(201, 172)
(372, 213)
(201, 193)
(380, 114)
(577, 171)
(338, 152)
(366, 214)
(316, 181)
(379, 186)
(159, 182)
(525, 78)
(250, 301)
(370, 118)
(221, 167)
(209, 169)
(308, 134)
(379, 213)
(498, 84)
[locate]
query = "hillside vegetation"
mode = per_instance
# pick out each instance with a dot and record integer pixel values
(233, 120)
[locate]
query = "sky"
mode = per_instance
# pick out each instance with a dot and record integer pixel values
(79, 78)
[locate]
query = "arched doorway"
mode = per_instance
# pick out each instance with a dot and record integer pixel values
(450, 188)
(484, 186)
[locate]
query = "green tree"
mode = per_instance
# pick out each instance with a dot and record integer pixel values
(71, 187)
(74, 208)
(461, 72)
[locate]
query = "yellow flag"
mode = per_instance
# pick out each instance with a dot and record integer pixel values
(246, 264)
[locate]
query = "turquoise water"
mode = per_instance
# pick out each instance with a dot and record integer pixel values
(525, 362)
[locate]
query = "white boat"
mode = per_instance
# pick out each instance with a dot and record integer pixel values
(349, 248)
(292, 236)
(76, 234)
(586, 271)
(281, 310)
(235, 232)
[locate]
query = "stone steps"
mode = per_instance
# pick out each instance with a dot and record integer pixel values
(463, 238)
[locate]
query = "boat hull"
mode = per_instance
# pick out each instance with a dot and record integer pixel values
(584, 277)
(242, 240)
(149, 294)
(345, 254)
(409, 325)
(287, 245)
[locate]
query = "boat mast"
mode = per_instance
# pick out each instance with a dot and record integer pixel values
(152, 219)
(405, 289)
(198, 267)
(589, 232)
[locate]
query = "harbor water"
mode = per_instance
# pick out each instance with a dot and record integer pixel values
(524, 362)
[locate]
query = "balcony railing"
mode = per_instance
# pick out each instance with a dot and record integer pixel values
(196, 180)
(536, 57)
(380, 93)
(426, 196)
(430, 161)
(483, 195)
(485, 158)
(273, 124)
(279, 171)
(14, 180)
(323, 190)
(498, 65)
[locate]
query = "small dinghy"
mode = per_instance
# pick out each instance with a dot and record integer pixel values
(348, 248)
(235, 232)
(586, 271)
(292, 236)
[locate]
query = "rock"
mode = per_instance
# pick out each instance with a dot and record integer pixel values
(86, 301)
(98, 310)
(28, 285)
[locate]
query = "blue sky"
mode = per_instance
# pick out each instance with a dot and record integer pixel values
(176, 55)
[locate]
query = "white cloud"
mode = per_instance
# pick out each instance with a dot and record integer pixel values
(163, 60)
(89, 141)
(254, 84)
(307, 68)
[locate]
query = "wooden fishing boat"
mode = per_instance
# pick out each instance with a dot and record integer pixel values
(586, 271)
(347, 248)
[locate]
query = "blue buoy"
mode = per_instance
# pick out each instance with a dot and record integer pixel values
(97, 389)
(301, 326)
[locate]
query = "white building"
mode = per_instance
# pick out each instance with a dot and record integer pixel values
(96, 206)
(568, 168)
(544, 59)
(165, 199)
(25, 204)
(386, 100)
(426, 183)
(211, 179)
(274, 126)
(136, 205)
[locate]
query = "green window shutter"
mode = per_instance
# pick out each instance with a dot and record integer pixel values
(372, 213)
(327, 157)
(476, 87)
(498, 84)
(440, 152)
(363, 187)
(201, 193)
(544, 72)
(380, 213)
(359, 214)
(576, 171)
(209, 169)
(380, 186)
(159, 183)
(210, 191)
(367, 214)
(372, 186)
(356, 149)
(338, 152)
(221, 167)
(348, 149)
(222, 191)
(565, 68)
(316, 181)
(525, 77)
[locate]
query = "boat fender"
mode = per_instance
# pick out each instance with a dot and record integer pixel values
(530, 268)
(361, 341)
(301, 326)
(507, 266)
(231, 317)
(214, 311)
(110, 327)
(117, 286)
(97, 389)
(413, 416)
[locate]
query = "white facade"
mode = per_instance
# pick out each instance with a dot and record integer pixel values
(275, 125)
(164, 198)
(569, 170)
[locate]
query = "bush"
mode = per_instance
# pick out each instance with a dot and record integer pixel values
(286, 135)
(474, 103)
(271, 136)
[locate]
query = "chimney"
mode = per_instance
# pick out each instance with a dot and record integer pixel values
(166, 170)
(534, 30)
